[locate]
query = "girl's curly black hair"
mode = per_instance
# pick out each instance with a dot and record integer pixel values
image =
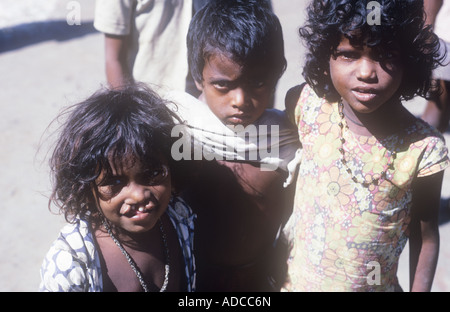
(401, 25)
(105, 129)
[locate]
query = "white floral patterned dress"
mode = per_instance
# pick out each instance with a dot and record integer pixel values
(73, 262)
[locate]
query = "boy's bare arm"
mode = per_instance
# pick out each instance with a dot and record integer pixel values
(424, 231)
(117, 71)
(431, 8)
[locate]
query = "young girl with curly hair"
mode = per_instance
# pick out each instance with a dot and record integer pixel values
(371, 173)
(114, 179)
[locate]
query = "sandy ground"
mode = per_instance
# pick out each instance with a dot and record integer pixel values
(46, 65)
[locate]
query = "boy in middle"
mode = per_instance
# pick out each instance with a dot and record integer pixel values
(236, 57)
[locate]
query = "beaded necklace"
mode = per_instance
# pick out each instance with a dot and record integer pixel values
(133, 264)
(372, 181)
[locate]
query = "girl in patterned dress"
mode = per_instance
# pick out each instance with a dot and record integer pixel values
(114, 180)
(371, 173)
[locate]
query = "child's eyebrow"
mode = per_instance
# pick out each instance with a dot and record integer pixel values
(219, 79)
(228, 82)
(346, 49)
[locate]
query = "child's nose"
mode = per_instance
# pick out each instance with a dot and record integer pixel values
(137, 193)
(238, 98)
(367, 70)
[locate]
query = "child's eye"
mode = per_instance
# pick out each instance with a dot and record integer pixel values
(348, 56)
(388, 59)
(390, 56)
(155, 176)
(113, 181)
(256, 84)
(111, 186)
(221, 85)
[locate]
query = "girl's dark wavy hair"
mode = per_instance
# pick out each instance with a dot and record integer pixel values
(246, 31)
(402, 25)
(108, 128)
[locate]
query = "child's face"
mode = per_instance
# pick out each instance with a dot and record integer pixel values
(362, 78)
(236, 96)
(134, 198)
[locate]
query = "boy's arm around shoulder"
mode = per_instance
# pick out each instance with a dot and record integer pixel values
(291, 99)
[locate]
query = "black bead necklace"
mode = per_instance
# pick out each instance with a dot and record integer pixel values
(133, 264)
(365, 183)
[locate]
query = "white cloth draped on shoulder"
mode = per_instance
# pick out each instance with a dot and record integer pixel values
(272, 141)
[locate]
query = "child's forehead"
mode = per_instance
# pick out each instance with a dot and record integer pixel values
(248, 67)
(119, 163)
(218, 56)
(360, 41)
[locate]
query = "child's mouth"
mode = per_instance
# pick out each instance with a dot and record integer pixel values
(239, 119)
(133, 211)
(140, 213)
(364, 95)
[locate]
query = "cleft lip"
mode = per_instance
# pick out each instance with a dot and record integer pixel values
(131, 210)
(125, 209)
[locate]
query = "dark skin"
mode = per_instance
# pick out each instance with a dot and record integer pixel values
(424, 231)
(424, 228)
(368, 86)
(238, 218)
(147, 250)
(117, 71)
(133, 200)
(239, 206)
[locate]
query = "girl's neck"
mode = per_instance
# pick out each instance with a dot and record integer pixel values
(389, 119)
(137, 241)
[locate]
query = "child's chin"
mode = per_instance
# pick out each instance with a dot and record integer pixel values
(239, 123)
(141, 226)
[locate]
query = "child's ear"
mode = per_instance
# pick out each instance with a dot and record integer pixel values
(199, 86)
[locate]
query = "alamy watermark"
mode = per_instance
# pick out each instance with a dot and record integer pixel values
(374, 275)
(374, 16)
(74, 13)
(251, 143)
(73, 16)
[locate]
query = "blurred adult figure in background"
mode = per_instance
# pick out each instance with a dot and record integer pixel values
(437, 111)
(145, 40)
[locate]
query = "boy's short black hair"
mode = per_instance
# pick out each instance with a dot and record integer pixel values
(401, 25)
(246, 31)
